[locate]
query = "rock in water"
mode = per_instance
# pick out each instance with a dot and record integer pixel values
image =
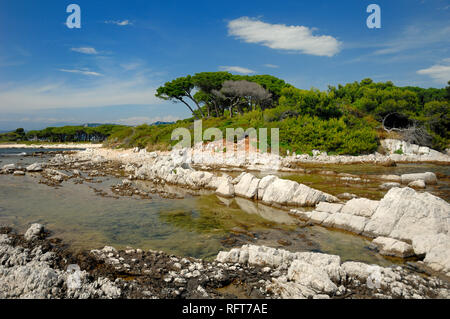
(404, 213)
(420, 218)
(428, 178)
(392, 247)
(225, 189)
(34, 231)
(280, 191)
(247, 186)
(36, 167)
(389, 185)
(9, 168)
(420, 184)
(360, 207)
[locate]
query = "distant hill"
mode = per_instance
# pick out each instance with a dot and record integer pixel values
(162, 123)
(96, 124)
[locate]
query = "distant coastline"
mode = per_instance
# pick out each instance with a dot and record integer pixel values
(50, 145)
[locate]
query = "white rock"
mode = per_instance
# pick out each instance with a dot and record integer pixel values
(329, 263)
(225, 189)
(301, 214)
(238, 179)
(247, 186)
(404, 213)
(331, 208)
(389, 185)
(36, 167)
(392, 247)
(420, 184)
(280, 191)
(57, 178)
(309, 197)
(356, 269)
(393, 178)
(348, 222)
(318, 217)
(360, 207)
(436, 249)
(289, 290)
(264, 183)
(428, 178)
(311, 276)
(34, 231)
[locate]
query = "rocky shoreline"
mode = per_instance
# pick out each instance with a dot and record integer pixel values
(35, 266)
(404, 223)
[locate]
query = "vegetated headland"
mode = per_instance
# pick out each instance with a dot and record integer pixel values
(403, 216)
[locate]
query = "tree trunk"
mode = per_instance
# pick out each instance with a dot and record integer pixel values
(190, 108)
(196, 103)
(217, 111)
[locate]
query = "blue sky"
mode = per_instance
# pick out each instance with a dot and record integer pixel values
(108, 70)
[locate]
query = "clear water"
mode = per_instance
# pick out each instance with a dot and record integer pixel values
(6, 152)
(368, 188)
(194, 226)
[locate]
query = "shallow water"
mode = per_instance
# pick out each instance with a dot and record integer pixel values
(369, 188)
(194, 226)
(6, 152)
(198, 226)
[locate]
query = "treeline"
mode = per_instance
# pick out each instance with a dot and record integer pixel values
(63, 134)
(221, 93)
(423, 113)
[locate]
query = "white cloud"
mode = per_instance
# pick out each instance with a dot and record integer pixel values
(236, 69)
(119, 23)
(283, 37)
(138, 120)
(60, 95)
(439, 73)
(272, 66)
(416, 37)
(84, 72)
(131, 66)
(85, 50)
